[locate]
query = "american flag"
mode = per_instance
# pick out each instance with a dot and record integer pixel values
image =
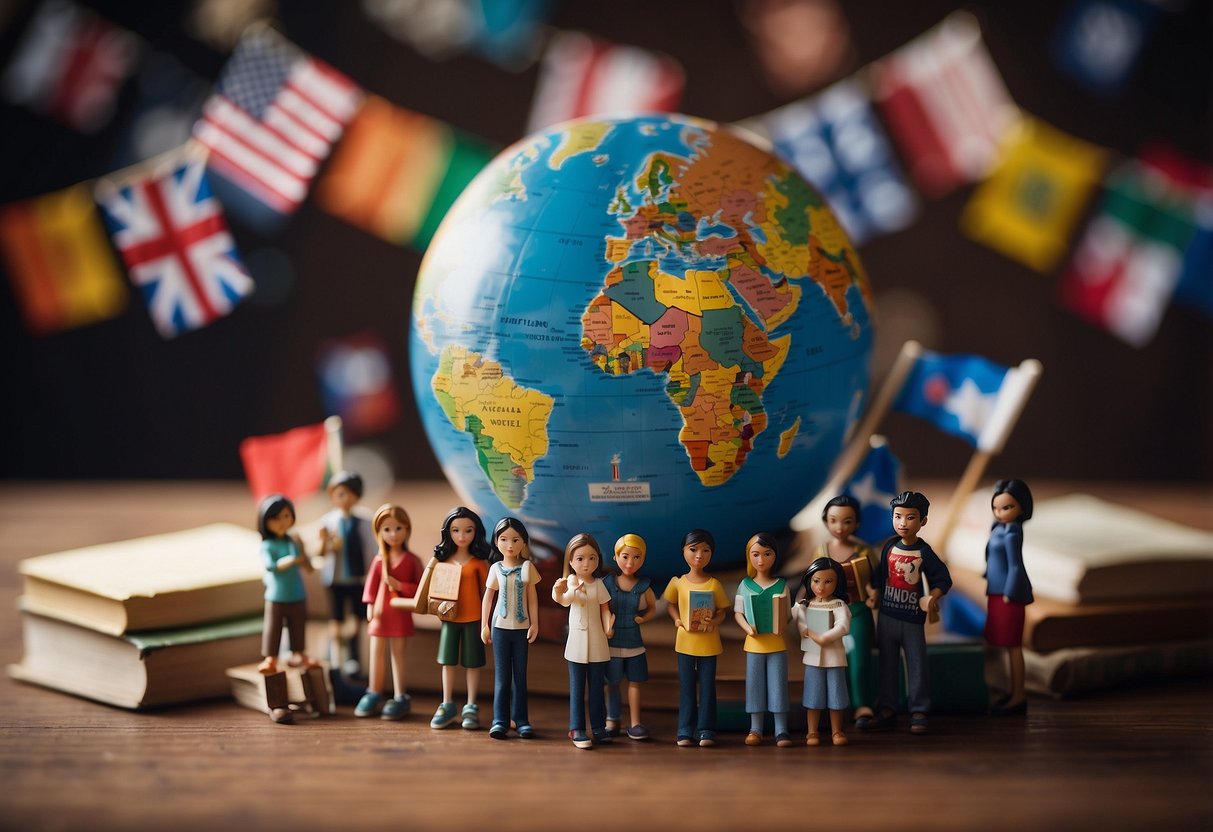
(175, 243)
(275, 114)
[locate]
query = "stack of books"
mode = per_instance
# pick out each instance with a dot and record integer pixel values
(143, 623)
(1121, 596)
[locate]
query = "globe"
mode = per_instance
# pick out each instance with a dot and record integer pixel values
(646, 324)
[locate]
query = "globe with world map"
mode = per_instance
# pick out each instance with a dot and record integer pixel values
(644, 324)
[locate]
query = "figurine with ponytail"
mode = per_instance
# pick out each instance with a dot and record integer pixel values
(761, 610)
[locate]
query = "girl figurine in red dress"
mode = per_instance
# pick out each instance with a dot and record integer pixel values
(394, 573)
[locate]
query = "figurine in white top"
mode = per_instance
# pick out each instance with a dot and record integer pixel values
(822, 622)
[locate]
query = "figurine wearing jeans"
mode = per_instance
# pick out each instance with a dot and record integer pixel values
(897, 588)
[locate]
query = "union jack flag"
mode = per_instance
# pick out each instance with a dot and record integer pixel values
(273, 118)
(175, 243)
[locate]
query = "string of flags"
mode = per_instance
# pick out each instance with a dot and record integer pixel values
(276, 114)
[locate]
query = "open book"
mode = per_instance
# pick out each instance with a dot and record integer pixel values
(1079, 548)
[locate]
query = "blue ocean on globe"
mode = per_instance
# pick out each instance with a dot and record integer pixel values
(647, 325)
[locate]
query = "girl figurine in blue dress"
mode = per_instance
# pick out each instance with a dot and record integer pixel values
(1008, 590)
(634, 603)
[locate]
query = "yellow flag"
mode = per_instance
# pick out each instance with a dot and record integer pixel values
(59, 260)
(1028, 207)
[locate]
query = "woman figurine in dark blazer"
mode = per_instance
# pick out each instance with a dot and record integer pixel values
(1008, 589)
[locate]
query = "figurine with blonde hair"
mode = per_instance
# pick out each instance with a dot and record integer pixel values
(634, 603)
(393, 573)
(509, 622)
(761, 610)
(590, 625)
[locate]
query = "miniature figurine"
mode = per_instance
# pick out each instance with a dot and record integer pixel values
(510, 625)
(395, 572)
(897, 589)
(590, 625)
(346, 540)
(858, 559)
(451, 588)
(285, 598)
(697, 605)
(761, 610)
(1008, 589)
(634, 603)
(823, 618)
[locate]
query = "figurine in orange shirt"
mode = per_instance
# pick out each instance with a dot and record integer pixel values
(463, 544)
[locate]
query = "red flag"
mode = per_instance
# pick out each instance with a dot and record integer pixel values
(946, 104)
(292, 463)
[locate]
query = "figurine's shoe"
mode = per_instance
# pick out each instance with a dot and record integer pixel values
(863, 723)
(302, 661)
(398, 708)
(813, 739)
(526, 732)
(706, 739)
(685, 742)
(282, 716)
(602, 737)
(444, 716)
(919, 724)
(638, 732)
(499, 730)
(839, 738)
(580, 740)
(883, 722)
(612, 726)
(369, 704)
(471, 717)
(783, 740)
(268, 665)
(753, 738)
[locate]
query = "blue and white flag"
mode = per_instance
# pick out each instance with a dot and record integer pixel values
(968, 396)
(874, 484)
(835, 142)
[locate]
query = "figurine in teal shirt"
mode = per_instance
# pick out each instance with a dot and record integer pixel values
(285, 600)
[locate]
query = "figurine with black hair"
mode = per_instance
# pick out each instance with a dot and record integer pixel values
(509, 622)
(898, 590)
(346, 542)
(697, 605)
(859, 561)
(1008, 589)
(823, 618)
(285, 562)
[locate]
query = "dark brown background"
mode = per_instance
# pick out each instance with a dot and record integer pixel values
(114, 400)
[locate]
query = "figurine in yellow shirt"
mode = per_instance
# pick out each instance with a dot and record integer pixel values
(698, 604)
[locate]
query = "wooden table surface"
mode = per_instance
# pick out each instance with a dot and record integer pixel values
(1134, 759)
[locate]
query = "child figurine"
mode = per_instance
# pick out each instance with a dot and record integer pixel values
(510, 625)
(590, 625)
(462, 545)
(761, 610)
(1008, 589)
(285, 598)
(698, 603)
(823, 618)
(634, 603)
(346, 539)
(858, 559)
(897, 589)
(395, 572)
